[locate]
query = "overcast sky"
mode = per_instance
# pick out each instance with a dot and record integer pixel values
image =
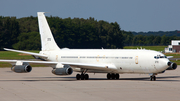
(132, 15)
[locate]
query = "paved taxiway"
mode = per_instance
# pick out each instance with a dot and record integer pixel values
(42, 85)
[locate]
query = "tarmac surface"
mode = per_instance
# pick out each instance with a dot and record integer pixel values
(42, 85)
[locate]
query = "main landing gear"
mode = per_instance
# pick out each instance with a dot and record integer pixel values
(112, 76)
(82, 76)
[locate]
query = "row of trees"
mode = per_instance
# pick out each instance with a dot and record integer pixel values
(9, 31)
(159, 33)
(147, 40)
(23, 34)
(86, 33)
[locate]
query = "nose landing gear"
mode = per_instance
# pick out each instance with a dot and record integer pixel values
(152, 77)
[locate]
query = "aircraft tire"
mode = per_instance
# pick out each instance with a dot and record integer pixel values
(113, 76)
(152, 78)
(108, 76)
(86, 76)
(82, 77)
(117, 76)
(78, 76)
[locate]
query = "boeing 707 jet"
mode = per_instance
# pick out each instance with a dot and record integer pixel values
(110, 61)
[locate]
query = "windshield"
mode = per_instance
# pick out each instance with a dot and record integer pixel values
(159, 56)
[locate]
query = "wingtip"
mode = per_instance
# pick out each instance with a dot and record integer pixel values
(5, 48)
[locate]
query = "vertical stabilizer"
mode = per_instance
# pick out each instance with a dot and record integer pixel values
(47, 40)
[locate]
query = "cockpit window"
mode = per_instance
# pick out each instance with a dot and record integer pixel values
(156, 57)
(159, 56)
(163, 57)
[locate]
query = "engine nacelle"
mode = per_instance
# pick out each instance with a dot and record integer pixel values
(172, 66)
(25, 68)
(62, 71)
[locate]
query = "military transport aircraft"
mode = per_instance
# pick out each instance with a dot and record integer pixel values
(111, 61)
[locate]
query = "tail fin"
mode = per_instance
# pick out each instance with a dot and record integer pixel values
(47, 40)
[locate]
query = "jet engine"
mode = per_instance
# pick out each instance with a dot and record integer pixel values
(66, 70)
(25, 68)
(172, 66)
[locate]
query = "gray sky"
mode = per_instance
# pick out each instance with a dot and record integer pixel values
(132, 15)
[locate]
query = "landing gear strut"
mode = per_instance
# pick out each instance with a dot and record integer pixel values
(82, 76)
(112, 76)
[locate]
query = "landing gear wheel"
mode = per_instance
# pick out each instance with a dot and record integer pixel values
(153, 78)
(82, 76)
(117, 76)
(150, 78)
(113, 76)
(108, 76)
(78, 76)
(86, 76)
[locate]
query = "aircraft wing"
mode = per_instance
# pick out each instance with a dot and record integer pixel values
(30, 53)
(73, 65)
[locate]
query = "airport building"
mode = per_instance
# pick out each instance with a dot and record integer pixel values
(174, 47)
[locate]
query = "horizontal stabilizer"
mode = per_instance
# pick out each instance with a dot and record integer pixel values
(30, 53)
